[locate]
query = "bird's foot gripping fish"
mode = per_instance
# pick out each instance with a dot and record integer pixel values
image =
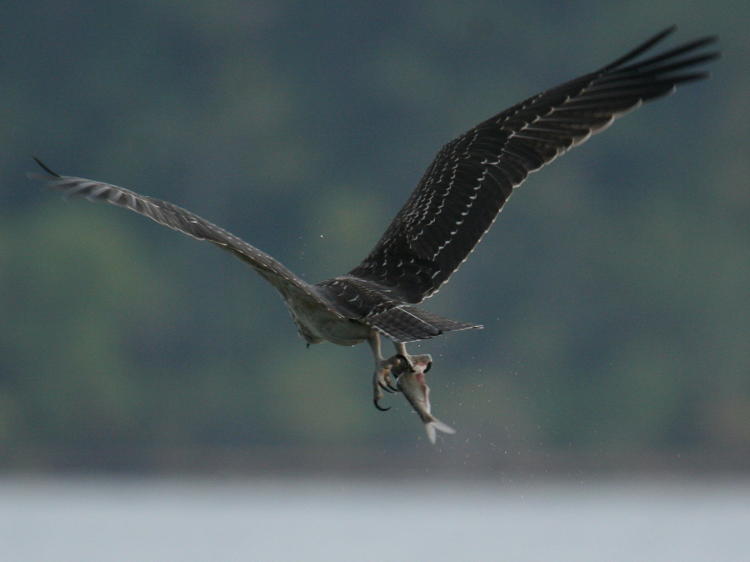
(412, 383)
(410, 373)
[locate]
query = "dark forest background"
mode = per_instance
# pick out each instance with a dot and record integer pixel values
(613, 289)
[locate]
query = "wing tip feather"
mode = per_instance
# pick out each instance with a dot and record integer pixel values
(46, 168)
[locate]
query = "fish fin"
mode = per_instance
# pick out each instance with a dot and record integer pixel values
(435, 425)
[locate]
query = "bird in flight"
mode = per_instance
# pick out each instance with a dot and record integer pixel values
(452, 207)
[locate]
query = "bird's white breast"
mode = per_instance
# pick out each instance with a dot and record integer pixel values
(317, 323)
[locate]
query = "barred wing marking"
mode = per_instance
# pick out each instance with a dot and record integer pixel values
(463, 190)
(181, 220)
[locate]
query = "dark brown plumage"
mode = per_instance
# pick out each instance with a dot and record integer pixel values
(465, 187)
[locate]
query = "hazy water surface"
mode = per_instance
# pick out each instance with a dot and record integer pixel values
(185, 520)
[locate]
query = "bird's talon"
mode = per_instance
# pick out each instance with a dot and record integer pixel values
(376, 401)
(387, 387)
(383, 381)
(400, 362)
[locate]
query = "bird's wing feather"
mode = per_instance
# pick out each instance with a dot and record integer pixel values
(181, 220)
(463, 190)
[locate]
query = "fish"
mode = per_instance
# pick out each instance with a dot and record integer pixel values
(414, 387)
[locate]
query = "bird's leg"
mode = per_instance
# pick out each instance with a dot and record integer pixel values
(384, 371)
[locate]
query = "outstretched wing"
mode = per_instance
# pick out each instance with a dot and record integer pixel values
(463, 190)
(181, 220)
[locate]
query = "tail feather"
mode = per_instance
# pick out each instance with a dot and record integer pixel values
(408, 323)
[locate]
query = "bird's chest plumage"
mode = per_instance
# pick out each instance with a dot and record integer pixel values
(316, 323)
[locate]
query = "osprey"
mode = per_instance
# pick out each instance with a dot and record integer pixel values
(452, 207)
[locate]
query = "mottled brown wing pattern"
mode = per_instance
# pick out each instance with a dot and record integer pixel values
(179, 219)
(463, 190)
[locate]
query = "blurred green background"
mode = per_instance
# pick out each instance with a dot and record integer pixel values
(613, 290)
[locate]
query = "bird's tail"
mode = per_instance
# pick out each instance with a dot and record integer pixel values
(407, 323)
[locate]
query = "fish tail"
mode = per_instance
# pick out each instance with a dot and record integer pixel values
(433, 425)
